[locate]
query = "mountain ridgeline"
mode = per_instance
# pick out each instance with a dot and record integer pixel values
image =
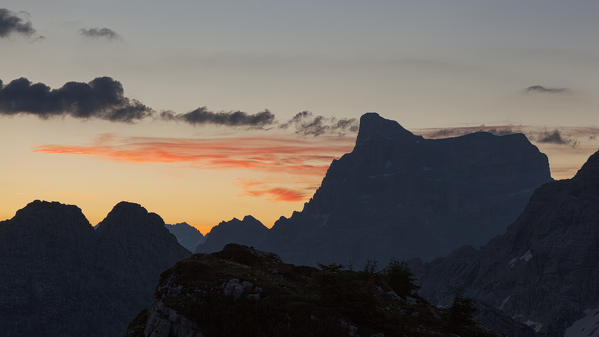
(398, 195)
(543, 270)
(188, 236)
(61, 277)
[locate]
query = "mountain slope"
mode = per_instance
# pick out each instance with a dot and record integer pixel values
(60, 277)
(543, 270)
(400, 195)
(187, 236)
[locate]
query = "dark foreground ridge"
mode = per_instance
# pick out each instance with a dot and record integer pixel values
(240, 291)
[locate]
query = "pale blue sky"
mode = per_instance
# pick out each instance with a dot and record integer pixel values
(425, 63)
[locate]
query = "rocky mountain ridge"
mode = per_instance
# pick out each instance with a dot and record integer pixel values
(398, 195)
(542, 271)
(60, 277)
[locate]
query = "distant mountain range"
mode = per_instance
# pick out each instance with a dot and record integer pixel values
(543, 270)
(248, 231)
(187, 236)
(398, 195)
(60, 277)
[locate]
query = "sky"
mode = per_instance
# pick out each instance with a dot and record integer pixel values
(531, 66)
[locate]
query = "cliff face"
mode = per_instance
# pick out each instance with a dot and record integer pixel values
(59, 277)
(240, 291)
(399, 195)
(543, 270)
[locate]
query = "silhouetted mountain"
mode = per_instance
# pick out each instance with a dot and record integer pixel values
(240, 291)
(46, 282)
(543, 271)
(59, 277)
(187, 236)
(248, 231)
(400, 195)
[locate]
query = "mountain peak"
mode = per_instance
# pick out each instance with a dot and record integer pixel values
(130, 215)
(37, 205)
(51, 211)
(250, 218)
(373, 126)
(126, 206)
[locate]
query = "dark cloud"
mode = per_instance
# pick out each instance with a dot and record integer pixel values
(102, 98)
(308, 124)
(100, 33)
(11, 23)
(553, 137)
(202, 116)
(545, 90)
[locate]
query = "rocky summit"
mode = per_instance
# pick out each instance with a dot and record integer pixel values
(399, 195)
(240, 291)
(543, 271)
(60, 277)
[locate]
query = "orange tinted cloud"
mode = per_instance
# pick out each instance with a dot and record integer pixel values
(284, 154)
(278, 194)
(275, 193)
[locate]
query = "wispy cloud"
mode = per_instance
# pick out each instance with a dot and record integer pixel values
(308, 124)
(534, 134)
(99, 33)
(278, 154)
(500, 130)
(274, 193)
(202, 115)
(539, 89)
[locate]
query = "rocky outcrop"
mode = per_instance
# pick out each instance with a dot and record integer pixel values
(240, 291)
(60, 277)
(543, 270)
(187, 236)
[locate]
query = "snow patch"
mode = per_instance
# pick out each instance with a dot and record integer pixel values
(526, 257)
(588, 326)
(535, 325)
(504, 302)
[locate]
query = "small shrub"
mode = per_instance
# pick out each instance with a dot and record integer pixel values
(400, 278)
